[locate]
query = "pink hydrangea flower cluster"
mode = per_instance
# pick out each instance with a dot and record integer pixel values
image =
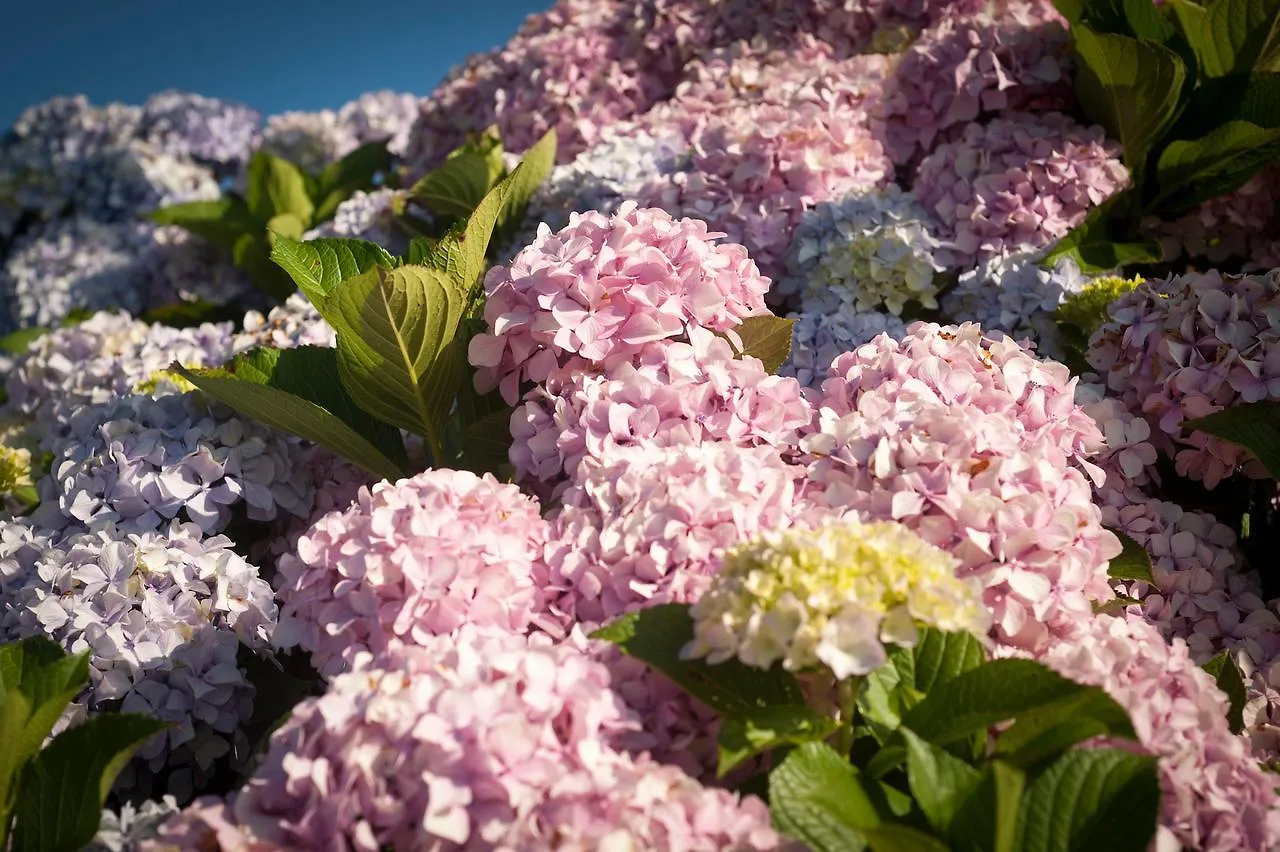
(1020, 181)
(1215, 797)
(490, 743)
(602, 289)
(1188, 346)
(645, 524)
(674, 393)
(1013, 57)
(410, 560)
(1238, 225)
(978, 446)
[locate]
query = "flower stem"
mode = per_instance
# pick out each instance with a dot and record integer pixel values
(847, 695)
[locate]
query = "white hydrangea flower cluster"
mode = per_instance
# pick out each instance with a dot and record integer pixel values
(294, 323)
(831, 596)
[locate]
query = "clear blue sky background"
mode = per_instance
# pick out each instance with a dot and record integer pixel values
(275, 56)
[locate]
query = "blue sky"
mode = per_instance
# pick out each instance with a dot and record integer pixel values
(272, 55)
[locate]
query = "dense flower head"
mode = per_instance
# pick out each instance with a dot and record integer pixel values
(1214, 796)
(820, 336)
(22, 545)
(1017, 182)
(1087, 309)
(1239, 225)
(106, 356)
(309, 140)
(602, 289)
(643, 525)
(367, 216)
(293, 323)
(125, 829)
(181, 124)
(869, 250)
(978, 446)
(753, 169)
(1185, 347)
(411, 560)
(674, 392)
(136, 462)
(487, 743)
(120, 184)
(1015, 295)
(162, 616)
(381, 115)
(1010, 56)
(831, 596)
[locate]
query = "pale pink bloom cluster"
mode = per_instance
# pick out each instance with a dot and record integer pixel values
(411, 560)
(488, 743)
(1020, 181)
(674, 392)
(646, 524)
(1011, 55)
(1215, 797)
(1189, 346)
(979, 447)
(602, 289)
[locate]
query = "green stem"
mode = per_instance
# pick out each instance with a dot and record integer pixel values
(847, 696)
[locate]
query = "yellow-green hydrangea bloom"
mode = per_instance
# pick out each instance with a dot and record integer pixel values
(164, 381)
(1087, 310)
(831, 596)
(15, 469)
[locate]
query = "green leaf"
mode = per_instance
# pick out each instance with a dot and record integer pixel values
(1189, 172)
(767, 338)
(486, 442)
(895, 837)
(64, 788)
(277, 186)
(193, 312)
(941, 657)
(745, 734)
(1072, 10)
(1227, 676)
(457, 187)
(988, 819)
(1130, 87)
(655, 636)
(17, 342)
(286, 225)
(252, 253)
(1094, 798)
(816, 797)
(1007, 689)
(461, 253)
(317, 266)
(298, 391)
(1227, 36)
(940, 781)
(887, 693)
(1133, 563)
(394, 326)
(221, 222)
(1092, 246)
(1255, 426)
(1114, 606)
(1139, 18)
(341, 179)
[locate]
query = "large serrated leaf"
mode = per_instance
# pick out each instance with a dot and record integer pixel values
(1228, 678)
(746, 734)
(1227, 36)
(221, 221)
(299, 391)
(1130, 87)
(317, 266)
(64, 788)
(940, 781)
(816, 797)
(1255, 426)
(655, 636)
(1191, 171)
(768, 338)
(394, 326)
(988, 819)
(1133, 563)
(1092, 798)
(275, 186)
(486, 442)
(461, 182)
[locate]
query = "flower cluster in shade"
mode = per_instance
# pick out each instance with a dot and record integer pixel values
(410, 560)
(979, 447)
(162, 616)
(645, 524)
(126, 829)
(1020, 181)
(136, 462)
(492, 742)
(312, 140)
(1009, 56)
(865, 252)
(673, 392)
(1214, 796)
(604, 287)
(1184, 347)
(1227, 229)
(1016, 295)
(832, 596)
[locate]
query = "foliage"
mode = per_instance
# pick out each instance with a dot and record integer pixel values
(911, 761)
(1193, 94)
(51, 795)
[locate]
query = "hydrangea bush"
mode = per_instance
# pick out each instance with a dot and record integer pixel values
(691, 426)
